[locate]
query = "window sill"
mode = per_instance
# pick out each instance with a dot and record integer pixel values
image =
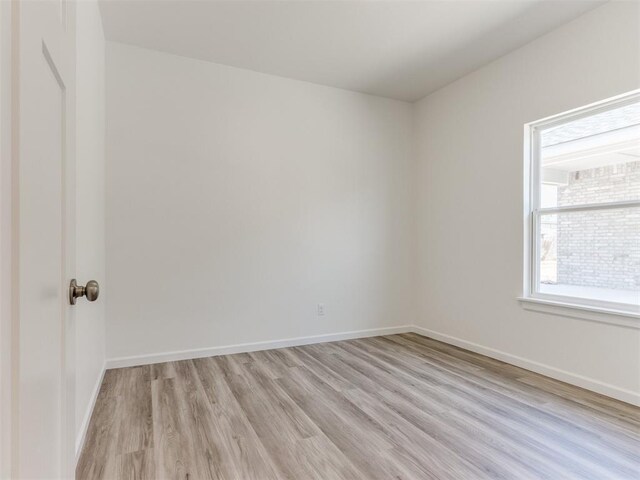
(621, 318)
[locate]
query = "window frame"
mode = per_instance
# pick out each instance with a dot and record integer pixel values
(533, 212)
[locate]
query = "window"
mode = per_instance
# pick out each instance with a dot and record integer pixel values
(583, 220)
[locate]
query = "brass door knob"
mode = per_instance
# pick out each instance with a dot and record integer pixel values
(91, 291)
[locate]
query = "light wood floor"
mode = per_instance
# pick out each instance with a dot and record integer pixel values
(394, 407)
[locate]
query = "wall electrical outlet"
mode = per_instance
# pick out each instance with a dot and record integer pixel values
(321, 309)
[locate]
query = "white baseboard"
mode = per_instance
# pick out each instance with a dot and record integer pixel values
(87, 415)
(250, 347)
(612, 391)
(541, 368)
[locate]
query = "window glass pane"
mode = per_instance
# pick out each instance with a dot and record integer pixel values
(591, 254)
(594, 159)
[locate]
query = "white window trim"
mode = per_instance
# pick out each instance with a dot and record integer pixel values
(602, 311)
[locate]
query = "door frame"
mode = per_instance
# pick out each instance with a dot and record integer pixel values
(9, 12)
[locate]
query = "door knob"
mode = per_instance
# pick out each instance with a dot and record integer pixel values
(91, 291)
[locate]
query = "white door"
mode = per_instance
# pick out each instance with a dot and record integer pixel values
(44, 30)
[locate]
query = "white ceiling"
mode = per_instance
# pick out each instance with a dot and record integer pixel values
(397, 49)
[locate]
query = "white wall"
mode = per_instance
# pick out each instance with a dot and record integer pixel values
(6, 337)
(238, 201)
(90, 204)
(469, 138)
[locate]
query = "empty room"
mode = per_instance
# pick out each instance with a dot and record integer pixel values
(320, 239)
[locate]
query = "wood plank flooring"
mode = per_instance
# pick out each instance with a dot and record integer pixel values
(393, 407)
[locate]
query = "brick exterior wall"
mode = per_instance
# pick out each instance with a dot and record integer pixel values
(585, 251)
